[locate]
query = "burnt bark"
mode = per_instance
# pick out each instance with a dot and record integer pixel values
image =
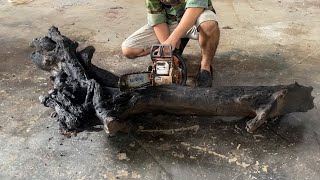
(82, 90)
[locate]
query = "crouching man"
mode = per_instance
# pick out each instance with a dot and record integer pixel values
(171, 20)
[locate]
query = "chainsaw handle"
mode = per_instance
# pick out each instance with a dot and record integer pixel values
(182, 65)
(161, 51)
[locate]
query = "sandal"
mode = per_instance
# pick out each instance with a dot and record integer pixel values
(204, 78)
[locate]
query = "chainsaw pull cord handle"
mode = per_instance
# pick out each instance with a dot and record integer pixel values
(182, 65)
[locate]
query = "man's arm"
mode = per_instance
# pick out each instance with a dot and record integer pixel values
(157, 19)
(188, 20)
(161, 31)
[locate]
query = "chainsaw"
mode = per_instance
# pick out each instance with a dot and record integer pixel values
(168, 67)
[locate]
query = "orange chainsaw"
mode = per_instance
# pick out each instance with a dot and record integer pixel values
(168, 67)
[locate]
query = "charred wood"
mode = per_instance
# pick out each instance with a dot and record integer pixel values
(82, 90)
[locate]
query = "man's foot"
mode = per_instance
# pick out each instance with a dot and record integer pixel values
(204, 78)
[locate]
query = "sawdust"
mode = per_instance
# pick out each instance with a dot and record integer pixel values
(122, 173)
(230, 159)
(18, 2)
(132, 144)
(238, 147)
(256, 166)
(109, 176)
(195, 128)
(122, 156)
(179, 155)
(135, 175)
(257, 137)
(265, 168)
(165, 146)
(193, 157)
(242, 164)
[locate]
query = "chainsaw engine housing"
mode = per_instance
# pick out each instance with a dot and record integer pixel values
(164, 70)
(168, 67)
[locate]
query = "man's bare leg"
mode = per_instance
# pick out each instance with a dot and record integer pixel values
(208, 40)
(132, 53)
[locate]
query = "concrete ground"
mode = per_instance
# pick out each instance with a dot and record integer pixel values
(263, 42)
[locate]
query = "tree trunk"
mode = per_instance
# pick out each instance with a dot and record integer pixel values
(82, 90)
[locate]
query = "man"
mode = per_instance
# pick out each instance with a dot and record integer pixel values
(171, 20)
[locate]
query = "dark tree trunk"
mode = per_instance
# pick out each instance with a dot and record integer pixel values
(82, 90)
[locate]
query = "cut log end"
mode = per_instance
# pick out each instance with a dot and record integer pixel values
(112, 127)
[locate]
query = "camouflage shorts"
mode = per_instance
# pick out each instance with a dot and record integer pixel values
(145, 36)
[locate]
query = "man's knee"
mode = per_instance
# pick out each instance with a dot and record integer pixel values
(129, 52)
(209, 28)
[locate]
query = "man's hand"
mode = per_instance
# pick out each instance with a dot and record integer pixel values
(162, 33)
(188, 20)
(173, 42)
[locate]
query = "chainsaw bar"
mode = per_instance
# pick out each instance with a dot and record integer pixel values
(136, 80)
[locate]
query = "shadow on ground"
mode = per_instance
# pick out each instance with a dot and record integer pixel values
(220, 143)
(237, 67)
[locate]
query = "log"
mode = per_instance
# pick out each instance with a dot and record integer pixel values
(82, 90)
